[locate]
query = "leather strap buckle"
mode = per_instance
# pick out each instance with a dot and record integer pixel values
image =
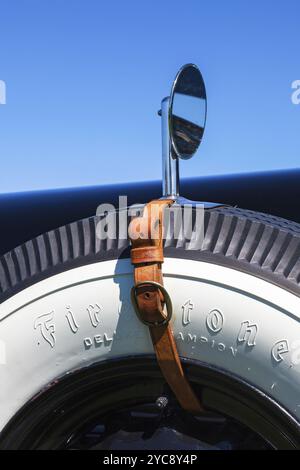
(167, 300)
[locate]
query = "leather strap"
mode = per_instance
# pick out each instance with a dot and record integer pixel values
(146, 235)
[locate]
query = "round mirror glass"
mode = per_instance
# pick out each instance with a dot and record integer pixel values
(187, 113)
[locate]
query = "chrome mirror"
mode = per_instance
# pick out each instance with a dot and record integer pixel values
(183, 117)
(187, 111)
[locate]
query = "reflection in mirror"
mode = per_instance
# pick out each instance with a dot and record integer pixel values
(187, 111)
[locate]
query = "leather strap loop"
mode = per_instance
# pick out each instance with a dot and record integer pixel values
(146, 234)
(147, 254)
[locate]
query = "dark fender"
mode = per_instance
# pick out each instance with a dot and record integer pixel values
(28, 214)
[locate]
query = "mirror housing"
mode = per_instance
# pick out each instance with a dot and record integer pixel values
(187, 111)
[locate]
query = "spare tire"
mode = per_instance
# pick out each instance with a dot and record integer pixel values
(73, 351)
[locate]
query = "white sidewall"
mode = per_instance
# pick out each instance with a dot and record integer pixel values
(222, 317)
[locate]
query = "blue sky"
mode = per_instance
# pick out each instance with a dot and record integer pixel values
(84, 80)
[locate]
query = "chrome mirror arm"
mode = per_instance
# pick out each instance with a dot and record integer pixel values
(170, 164)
